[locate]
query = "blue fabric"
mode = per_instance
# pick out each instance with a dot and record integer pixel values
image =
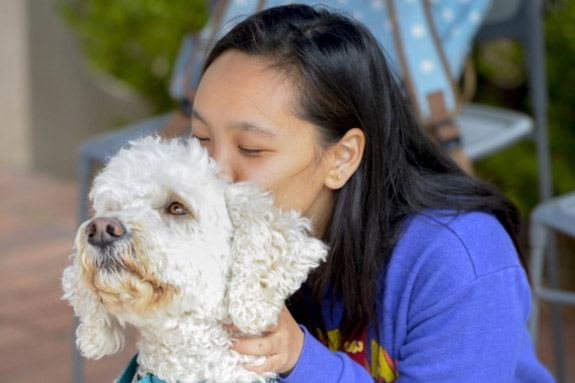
(456, 23)
(453, 307)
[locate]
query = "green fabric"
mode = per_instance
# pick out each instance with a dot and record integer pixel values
(132, 368)
(130, 372)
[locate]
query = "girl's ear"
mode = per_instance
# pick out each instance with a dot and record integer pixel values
(273, 252)
(99, 333)
(345, 158)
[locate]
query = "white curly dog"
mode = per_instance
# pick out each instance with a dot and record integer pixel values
(178, 253)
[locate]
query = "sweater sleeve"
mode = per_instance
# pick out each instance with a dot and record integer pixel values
(320, 365)
(476, 334)
(466, 304)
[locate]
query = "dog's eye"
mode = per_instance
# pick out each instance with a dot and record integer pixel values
(177, 208)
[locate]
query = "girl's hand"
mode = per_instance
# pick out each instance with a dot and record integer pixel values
(281, 344)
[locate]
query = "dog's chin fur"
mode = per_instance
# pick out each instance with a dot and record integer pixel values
(119, 278)
(234, 258)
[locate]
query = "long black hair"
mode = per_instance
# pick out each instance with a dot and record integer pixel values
(343, 81)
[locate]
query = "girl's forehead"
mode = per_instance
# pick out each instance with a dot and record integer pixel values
(254, 75)
(246, 91)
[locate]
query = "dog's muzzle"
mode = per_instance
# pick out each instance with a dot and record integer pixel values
(115, 265)
(102, 232)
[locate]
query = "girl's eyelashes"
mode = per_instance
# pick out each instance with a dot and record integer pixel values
(250, 152)
(242, 149)
(200, 138)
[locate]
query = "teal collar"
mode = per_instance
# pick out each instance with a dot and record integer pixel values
(132, 369)
(130, 372)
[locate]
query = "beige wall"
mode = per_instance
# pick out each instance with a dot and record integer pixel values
(15, 145)
(49, 103)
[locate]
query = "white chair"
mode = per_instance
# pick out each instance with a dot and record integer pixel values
(556, 215)
(486, 130)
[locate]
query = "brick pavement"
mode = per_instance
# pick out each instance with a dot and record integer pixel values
(37, 225)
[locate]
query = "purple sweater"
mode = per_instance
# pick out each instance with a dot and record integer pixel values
(455, 307)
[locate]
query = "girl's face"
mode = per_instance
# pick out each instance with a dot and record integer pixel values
(242, 114)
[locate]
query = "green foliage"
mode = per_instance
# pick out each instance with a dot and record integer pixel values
(560, 31)
(135, 41)
(515, 169)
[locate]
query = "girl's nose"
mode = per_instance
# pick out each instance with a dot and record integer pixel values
(226, 169)
(226, 175)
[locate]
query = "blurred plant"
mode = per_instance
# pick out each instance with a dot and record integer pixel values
(502, 82)
(501, 62)
(134, 41)
(560, 31)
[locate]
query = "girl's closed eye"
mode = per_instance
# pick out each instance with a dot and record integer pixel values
(250, 151)
(200, 138)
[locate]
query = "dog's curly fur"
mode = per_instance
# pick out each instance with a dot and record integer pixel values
(233, 258)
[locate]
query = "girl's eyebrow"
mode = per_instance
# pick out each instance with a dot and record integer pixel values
(195, 114)
(247, 126)
(253, 127)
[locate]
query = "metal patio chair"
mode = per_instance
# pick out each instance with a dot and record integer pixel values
(555, 215)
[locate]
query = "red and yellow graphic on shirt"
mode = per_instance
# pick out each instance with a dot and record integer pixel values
(381, 366)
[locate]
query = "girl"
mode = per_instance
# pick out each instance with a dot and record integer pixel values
(425, 280)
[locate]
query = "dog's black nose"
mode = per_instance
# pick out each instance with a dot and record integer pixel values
(103, 231)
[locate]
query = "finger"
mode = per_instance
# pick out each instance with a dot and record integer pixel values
(271, 364)
(253, 346)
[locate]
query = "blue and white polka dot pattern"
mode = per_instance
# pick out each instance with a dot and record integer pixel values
(456, 22)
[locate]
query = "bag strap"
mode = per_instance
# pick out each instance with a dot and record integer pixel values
(436, 102)
(401, 56)
(444, 63)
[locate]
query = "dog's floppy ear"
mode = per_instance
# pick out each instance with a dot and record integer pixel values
(99, 333)
(273, 252)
